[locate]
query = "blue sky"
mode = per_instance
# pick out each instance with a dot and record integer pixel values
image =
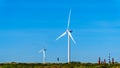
(26, 26)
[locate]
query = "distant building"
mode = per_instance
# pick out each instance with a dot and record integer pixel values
(112, 60)
(58, 59)
(104, 61)
(99, 61)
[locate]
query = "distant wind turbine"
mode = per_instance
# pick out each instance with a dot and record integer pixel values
(44, 54)
(68, 32)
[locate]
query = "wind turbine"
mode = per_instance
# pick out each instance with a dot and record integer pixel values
(44, 54)
(68, 32)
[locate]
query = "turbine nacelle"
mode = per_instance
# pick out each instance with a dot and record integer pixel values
(70, 31)
(42, 50)
(69, 34)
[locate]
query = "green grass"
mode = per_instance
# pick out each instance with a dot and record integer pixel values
(56, 65)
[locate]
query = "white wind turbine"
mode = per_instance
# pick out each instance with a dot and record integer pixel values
(68, 32)
(44, 54)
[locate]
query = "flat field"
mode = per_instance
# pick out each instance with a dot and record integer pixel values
(57, 65)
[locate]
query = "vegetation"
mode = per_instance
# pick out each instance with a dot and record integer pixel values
(58, 65)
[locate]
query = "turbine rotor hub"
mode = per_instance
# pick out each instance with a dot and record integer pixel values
(70, 31)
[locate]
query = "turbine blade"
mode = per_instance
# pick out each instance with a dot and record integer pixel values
(61, 35)
(71, 37)
(69, 19)
(41, 51)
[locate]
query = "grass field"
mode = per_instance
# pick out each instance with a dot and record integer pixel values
(57, 65)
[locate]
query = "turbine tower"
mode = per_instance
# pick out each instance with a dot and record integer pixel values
(44, 54)
(68, 32)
